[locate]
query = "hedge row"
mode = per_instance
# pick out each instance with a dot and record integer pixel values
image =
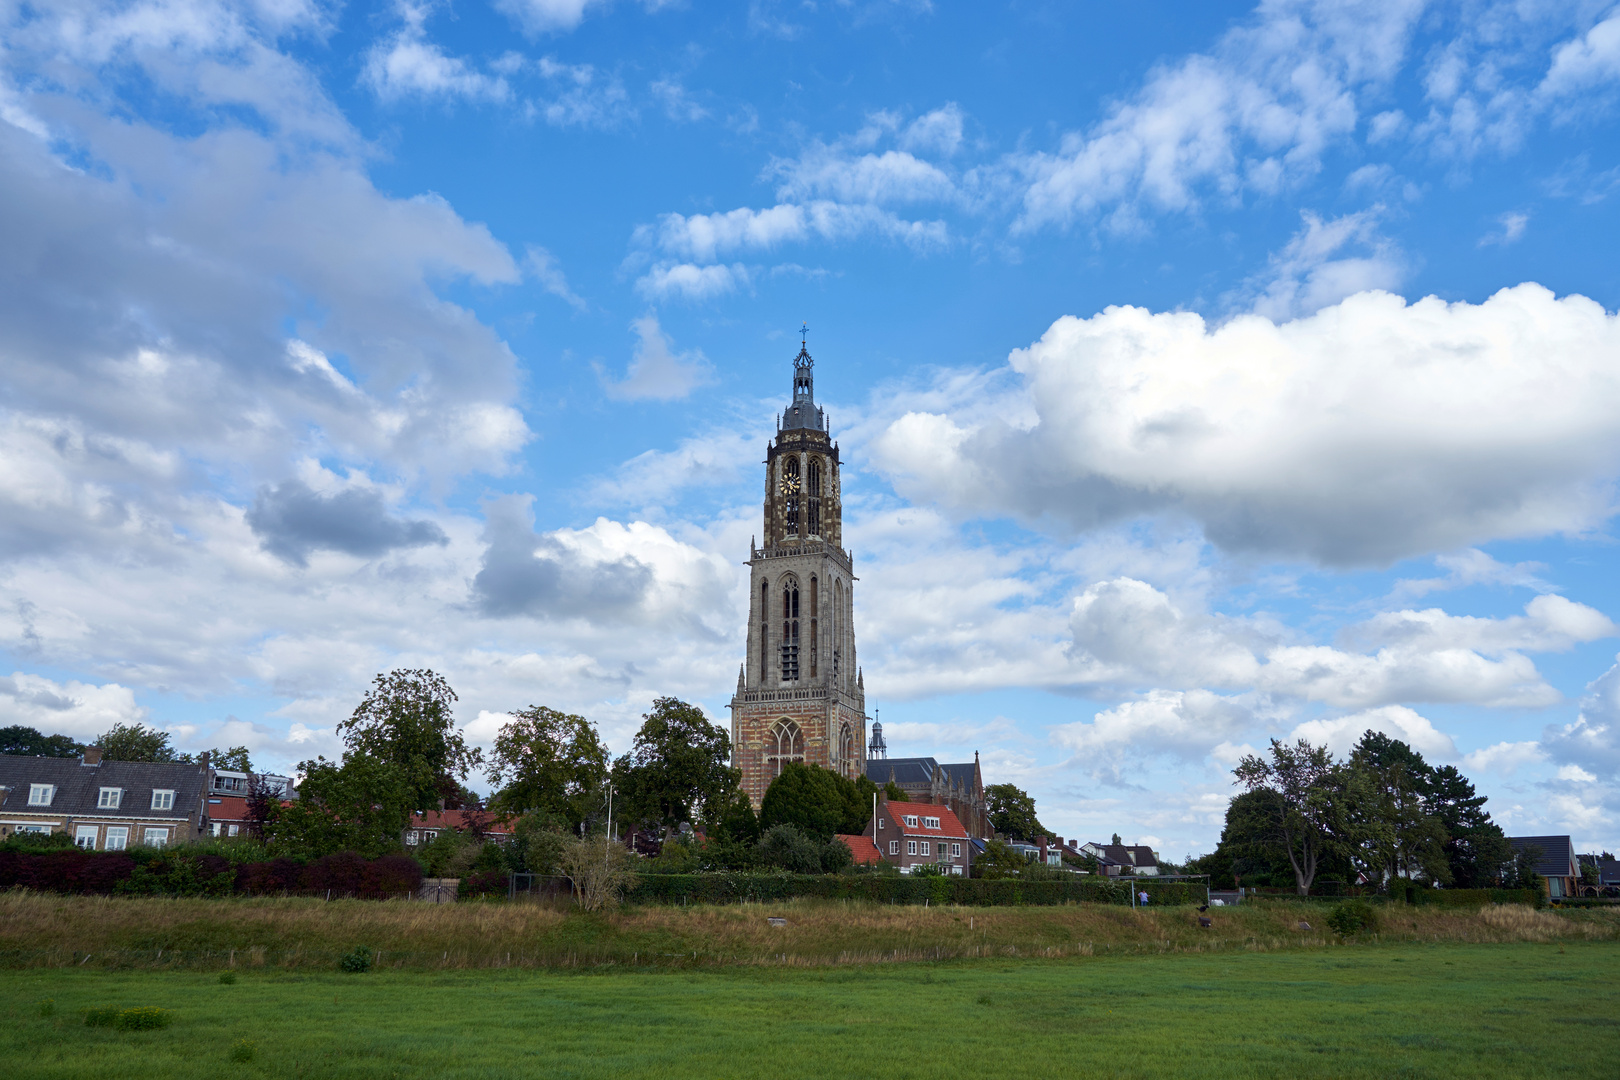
(1416, 894)
(144, 872)
(735, 888)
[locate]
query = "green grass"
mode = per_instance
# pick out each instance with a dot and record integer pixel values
(1409, 1009)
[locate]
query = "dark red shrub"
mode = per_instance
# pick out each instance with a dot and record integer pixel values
(270, 878)
(391, 875)
(340, 874)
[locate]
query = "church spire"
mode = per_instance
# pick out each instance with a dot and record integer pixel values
(803, 412)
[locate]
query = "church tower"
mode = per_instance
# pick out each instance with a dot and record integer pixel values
(800, 696)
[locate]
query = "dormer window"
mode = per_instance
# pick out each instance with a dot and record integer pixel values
(41, 794)
(110, 798)
(910, 819)
(162, 800)
(931, 823)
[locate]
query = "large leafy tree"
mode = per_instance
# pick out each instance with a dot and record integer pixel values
(1251, 845)
(1476, 850)
(552, 763)
(1012, 812)
(28, 742)
(136, 742)
(1308, 783)
(817, 801)
(1387, 818)
(678, 769)
(362, 804)
(407, 721)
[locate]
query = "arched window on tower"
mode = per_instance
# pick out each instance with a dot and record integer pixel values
(815, 497)
(785, 744)
(846, 750)
(838, 624)
(815, 641)
(790, 631)
(790, 493)
(764, 631)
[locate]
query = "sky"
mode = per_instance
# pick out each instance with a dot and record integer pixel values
(1204, 373)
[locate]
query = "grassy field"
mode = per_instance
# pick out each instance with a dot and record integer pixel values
(38, 930)
(1407, 1009)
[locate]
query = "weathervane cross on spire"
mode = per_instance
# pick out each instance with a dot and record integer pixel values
(804, 333)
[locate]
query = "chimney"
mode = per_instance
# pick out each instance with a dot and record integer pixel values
(92, 756)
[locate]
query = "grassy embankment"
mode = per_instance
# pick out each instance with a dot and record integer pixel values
(298, 933)
(1402, 1009)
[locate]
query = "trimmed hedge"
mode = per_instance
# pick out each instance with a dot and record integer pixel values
(147, 872)
(974, 892)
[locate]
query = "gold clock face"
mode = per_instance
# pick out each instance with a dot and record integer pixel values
(790, 485)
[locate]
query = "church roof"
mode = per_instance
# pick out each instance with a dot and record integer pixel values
(907, 770)
(896, 812)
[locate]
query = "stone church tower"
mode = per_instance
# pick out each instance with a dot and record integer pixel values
(800, 696)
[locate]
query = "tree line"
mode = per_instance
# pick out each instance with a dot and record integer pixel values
(1383, 816)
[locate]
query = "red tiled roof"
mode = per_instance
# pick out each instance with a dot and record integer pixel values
(896, 811)
(460, 820)
(862, 848)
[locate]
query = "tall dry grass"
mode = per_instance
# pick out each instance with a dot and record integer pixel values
(38, 929)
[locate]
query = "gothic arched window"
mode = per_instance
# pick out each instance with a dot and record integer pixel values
(790, 630)
(786, 744)
(790, 492)
(815, 497)
(815, 641)
(764, 630)
(838, 624)
(846, 749)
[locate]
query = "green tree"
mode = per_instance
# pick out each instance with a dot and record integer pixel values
(999, 861)
(236, 759)
(27, 742)
(677, 768)
(1387, 820)
(731, 819)
(1012, 812)
(1306, 781)
(818, 801)
(362, 804)
(136, 742)
(551, 762)
(1476, 849)
(894, 792)
(406, 720)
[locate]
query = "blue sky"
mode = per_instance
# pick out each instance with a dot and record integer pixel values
(1206, 373)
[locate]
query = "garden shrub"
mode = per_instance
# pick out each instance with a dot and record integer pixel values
(1352, 917)
(898, 889)
(357, 960)
(227, 978)
(100, 1017)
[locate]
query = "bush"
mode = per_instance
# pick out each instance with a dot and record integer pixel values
(100, 1017)
(1352, 917)
(356, 960)
(146, 1018)
(896, 889)
(244, 1050)
(227, 978)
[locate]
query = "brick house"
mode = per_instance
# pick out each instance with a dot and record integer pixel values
(1137, 859)
(959, 786)
(425, 828)
(909, 834)
(865, 852)
(103, 805)
(226, 813)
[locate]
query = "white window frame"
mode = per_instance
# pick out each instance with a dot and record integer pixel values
(162, 799)
(233, 830)
(157, 837)
(925, 847)
(86, 832)
(894, 847)
(911, 847)
(932, 823)
(41, 794)
(34, 828)
(117, 838)
(911, 819)
(956, 849)
(109, 798)
(216, 827)
(880, 823)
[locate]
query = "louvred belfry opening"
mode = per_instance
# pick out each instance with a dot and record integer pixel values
(800, 679)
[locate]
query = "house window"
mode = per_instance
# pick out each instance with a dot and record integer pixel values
(910, 819)
(925, 847)
(110, 798)
(932, 823)
(217, 828)
(85, 837)
(41, 794)
(956, 849)
(156, 837)
(881, 823)
(40, 829)
(911, 847)
(894, 847)
(162, 800)
(117, 837)
(233, 830)
(412, 837)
